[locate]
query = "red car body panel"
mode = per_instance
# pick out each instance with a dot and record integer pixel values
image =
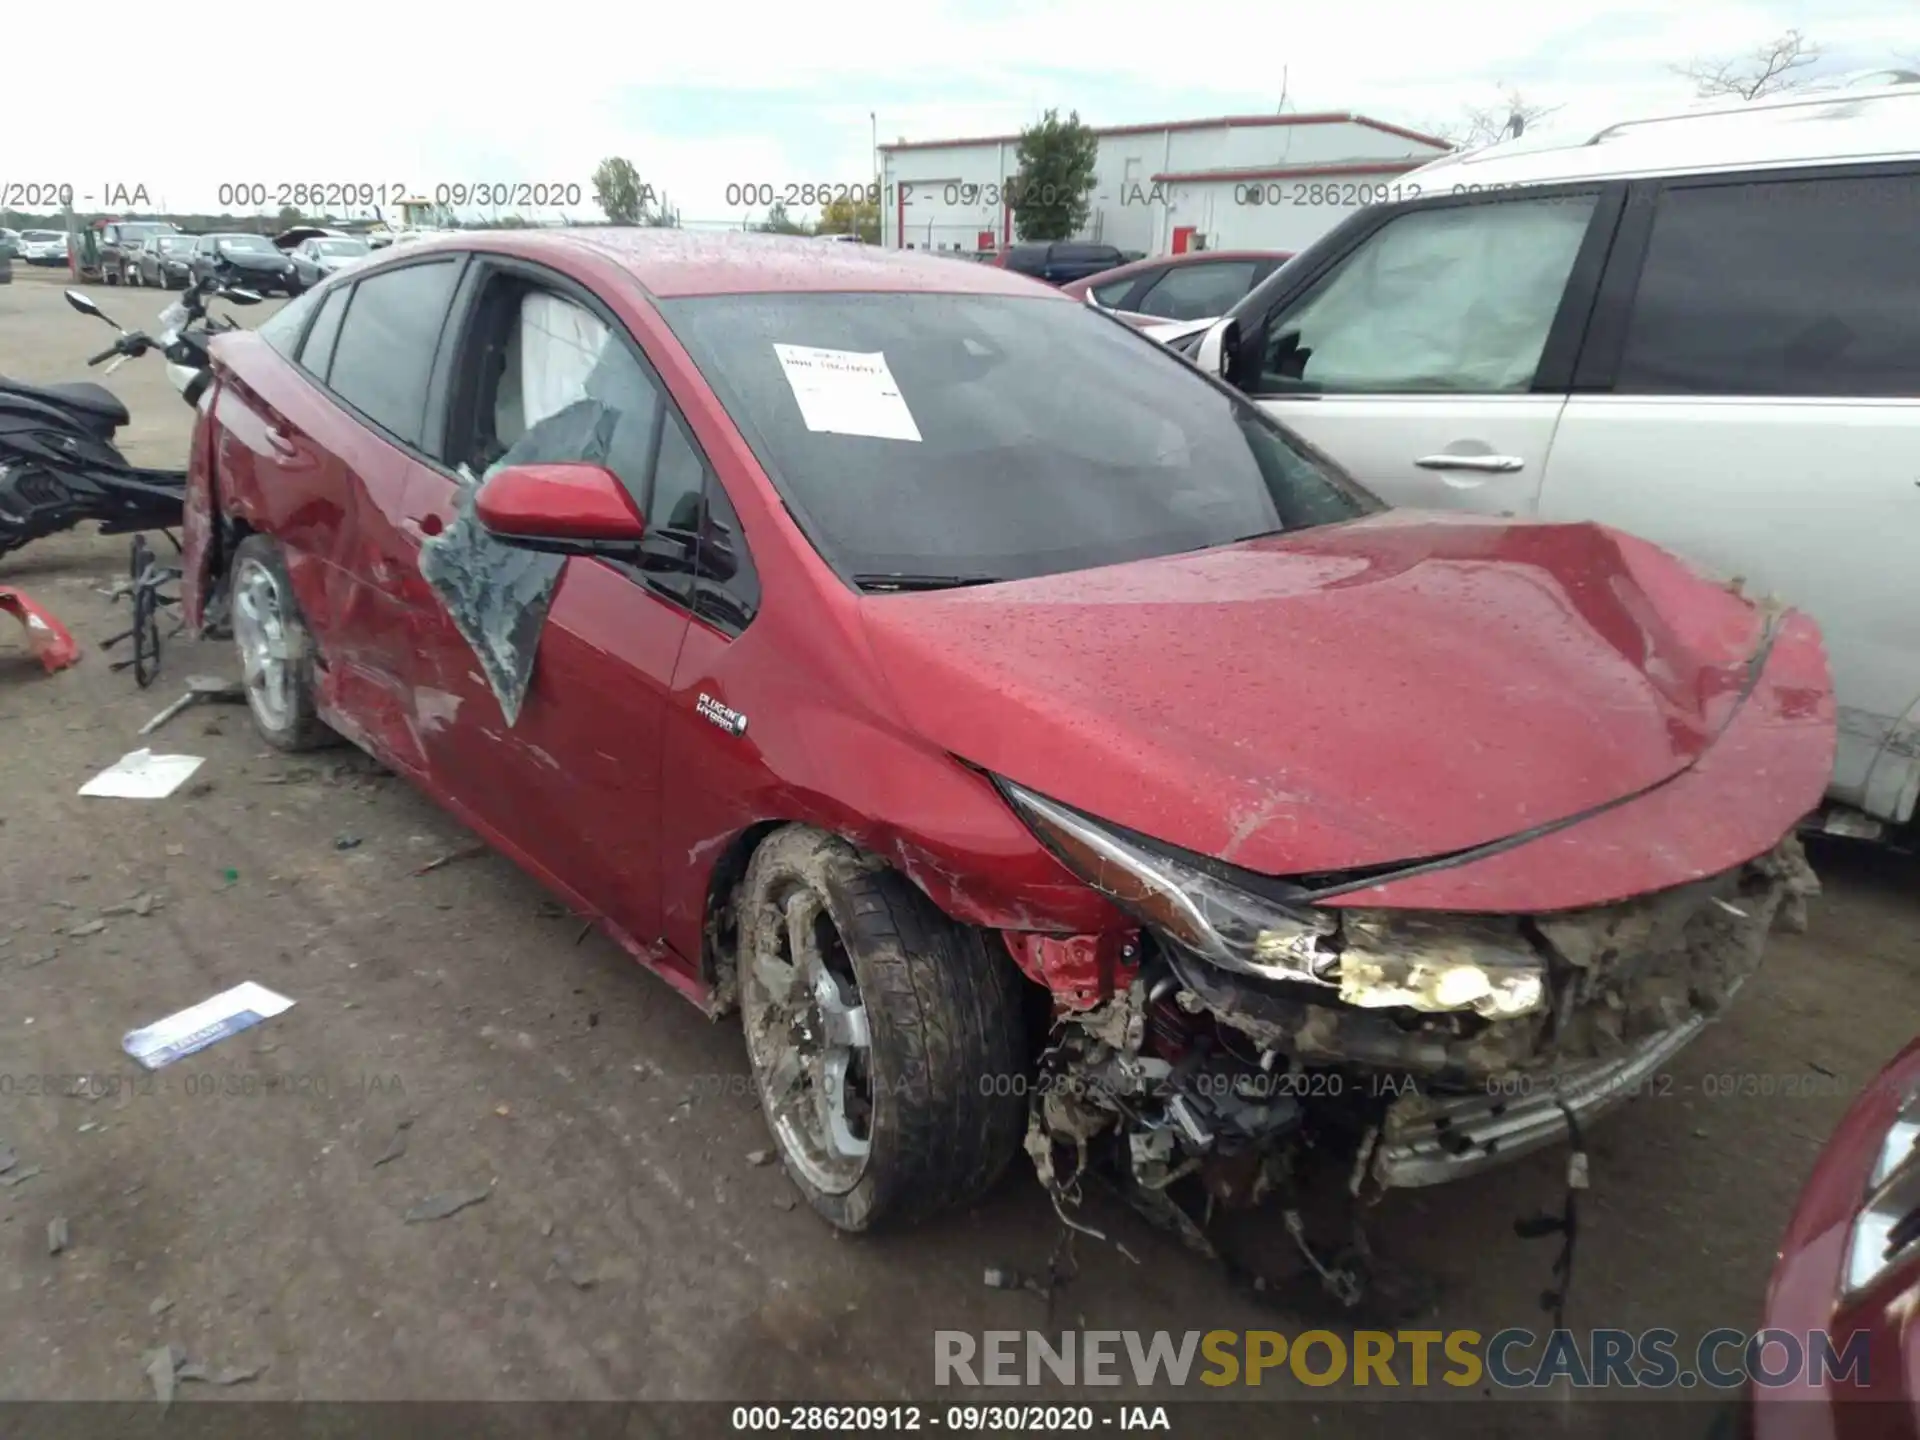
(1805, 1294)
(1384, 690)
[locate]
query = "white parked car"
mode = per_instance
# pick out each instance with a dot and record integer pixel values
(1702, 328)
(43, 247)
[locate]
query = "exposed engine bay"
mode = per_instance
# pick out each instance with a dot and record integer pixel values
(1415, 1047)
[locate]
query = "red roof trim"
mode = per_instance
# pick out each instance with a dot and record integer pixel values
(1248, 122)
(1291, 172)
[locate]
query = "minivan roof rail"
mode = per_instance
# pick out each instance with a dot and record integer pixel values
(1823, 95)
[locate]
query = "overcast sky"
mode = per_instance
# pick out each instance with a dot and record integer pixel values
(703, 95)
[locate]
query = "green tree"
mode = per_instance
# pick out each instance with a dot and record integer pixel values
(665, 215)
(778, 222)
(851, 215)
(617, 191)
(290, 216)
(1053, 191)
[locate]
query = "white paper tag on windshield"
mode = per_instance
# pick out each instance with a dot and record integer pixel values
(843, 392)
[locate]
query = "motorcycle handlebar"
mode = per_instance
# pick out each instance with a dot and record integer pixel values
(106, 354)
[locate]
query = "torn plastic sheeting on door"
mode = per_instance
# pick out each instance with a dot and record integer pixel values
(498, 594)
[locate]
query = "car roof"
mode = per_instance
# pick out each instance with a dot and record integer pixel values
(1805, 127)
(669, 263)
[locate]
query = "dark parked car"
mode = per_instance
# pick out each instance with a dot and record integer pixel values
(258, 265)
(1195, 286)
(121, 242)
(165, 261)
(1059, 261)
(904, 653)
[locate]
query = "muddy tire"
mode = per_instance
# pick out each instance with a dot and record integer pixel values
(846, 967)
(276, 650)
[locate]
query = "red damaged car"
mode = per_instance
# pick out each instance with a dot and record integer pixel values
(880, 645)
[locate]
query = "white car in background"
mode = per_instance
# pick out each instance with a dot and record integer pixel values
(1701, 328)
(43, 247)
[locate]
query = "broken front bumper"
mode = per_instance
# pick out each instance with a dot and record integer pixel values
(1430, 1139)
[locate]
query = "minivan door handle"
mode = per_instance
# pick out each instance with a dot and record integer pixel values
(1487, 464)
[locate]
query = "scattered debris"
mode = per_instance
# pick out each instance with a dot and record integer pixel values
(87, 1127)
(143, 775)
(447, 1202)
(7, 1158)
(19, 1177)
(145, 903)
(159, 1306)
(783, 1202)
(57, 1237)
(86, 927)
(50, 953)
(49, 640)
(161, 1367)
(759, 1157)
(346, 842)
(199, 1026)
(470, 852)
(199, 687)
(231, 1375)
(397, 1146)
(176, 849)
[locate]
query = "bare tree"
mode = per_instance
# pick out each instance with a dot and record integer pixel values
(1480, 125)
(1778, 65)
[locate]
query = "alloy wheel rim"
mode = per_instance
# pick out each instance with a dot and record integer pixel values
(809, 1043)
(260, 633)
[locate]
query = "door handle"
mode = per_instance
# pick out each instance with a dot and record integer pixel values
(1485, 464)
(281, 443)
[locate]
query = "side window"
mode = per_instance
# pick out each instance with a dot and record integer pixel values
(282, 329)
(316, 351)
(1114, 291)
(555, 384)
(1800, 287)
(1198, 292)
(1456, 298)
(383, 357)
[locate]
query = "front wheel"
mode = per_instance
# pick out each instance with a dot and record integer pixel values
(886, 1040)
(276, 651)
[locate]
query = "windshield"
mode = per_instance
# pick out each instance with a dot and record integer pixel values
(173, 242)
(342, 247)
(249, 243)
(142, 232)
(992, 437)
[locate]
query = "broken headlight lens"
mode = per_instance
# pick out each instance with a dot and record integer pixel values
(1231, 927)
(1375, 958)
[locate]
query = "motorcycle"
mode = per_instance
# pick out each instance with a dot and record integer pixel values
(59, 465)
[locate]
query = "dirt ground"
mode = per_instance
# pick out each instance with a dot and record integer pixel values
(629, 1248)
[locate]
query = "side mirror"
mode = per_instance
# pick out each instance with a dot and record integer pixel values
(84, 304)
(568, 509)
(1217, 345)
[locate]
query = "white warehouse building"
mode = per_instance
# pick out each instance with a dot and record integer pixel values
(1246, 182)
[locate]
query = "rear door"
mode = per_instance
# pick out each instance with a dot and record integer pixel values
(1749, 397)
(1430, 356)
(332, 444)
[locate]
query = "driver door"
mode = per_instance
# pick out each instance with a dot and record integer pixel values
(1430, 359)
(571, 778)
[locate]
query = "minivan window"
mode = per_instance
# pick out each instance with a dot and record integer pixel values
(1022, 436)
(384, 356)
(1453, 298)
(1796, 287)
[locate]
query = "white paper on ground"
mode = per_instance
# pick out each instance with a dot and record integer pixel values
(845, 392)
(199, 1026)
(143, 775)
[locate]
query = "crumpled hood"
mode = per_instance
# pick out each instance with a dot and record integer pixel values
(1399, 687)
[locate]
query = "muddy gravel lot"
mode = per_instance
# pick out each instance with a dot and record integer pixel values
(455, 1031)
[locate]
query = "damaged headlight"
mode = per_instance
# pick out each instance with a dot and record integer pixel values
(1374, 958)
(1231, 927)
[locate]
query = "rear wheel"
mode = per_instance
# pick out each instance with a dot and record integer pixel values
(885, 1039)
(276, 652)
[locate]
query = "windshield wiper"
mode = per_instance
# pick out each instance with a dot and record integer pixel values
(901, 581)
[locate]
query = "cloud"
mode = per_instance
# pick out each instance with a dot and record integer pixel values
(707, 96)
